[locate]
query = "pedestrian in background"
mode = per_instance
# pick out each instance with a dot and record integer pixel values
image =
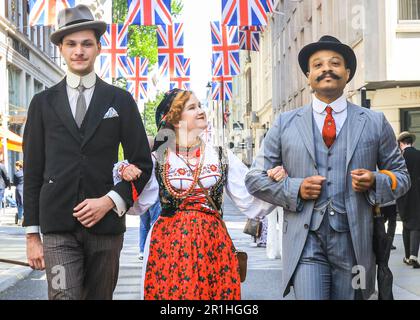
(409, 204)
(147, 219)
(18, 183)
(4, 182)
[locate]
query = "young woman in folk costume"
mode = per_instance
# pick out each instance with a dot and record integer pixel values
(190, 254)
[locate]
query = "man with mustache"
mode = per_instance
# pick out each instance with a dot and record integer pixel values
(71, 142)
(331, 150)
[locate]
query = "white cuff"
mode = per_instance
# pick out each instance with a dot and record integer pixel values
(120, 205)
(32, 229)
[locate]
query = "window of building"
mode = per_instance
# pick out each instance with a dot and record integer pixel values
(38, 87)
(248, 92)
(408, 10)
(14, 86)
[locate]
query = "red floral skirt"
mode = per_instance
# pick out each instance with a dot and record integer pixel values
(191, 257)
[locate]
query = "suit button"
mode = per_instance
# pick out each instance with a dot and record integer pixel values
(329, 154)
(306, 226)
(328, 183)
(332, 213)
(329, 168)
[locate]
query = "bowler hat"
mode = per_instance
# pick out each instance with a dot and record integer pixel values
(405, 134)
(76, 19)
(328, 43)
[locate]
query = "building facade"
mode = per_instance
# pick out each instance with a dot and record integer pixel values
(251, 107)
(29, 63)
(385, 36)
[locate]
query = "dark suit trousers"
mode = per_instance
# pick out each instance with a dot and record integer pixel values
(81, 265)
(411, 239)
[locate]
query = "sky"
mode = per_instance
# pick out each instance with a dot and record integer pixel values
(196, 16)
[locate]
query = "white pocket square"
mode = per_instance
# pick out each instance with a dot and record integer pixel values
(111, 113)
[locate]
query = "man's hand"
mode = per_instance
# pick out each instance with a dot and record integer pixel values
(35, 251)
(362, 180)
(310, 189)
(91, 211)
(131, 172)
(277, 173)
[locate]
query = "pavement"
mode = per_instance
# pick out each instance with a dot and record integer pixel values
(263, 277)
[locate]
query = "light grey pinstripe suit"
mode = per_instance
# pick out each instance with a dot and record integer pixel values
(370, 142)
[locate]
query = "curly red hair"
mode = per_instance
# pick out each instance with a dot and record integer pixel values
(174, 114)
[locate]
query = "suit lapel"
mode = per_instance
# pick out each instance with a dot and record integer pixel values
(355, 123)
(101, 101)
(61, 105)
(305, 127)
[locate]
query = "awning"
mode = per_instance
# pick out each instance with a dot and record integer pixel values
(14, 141)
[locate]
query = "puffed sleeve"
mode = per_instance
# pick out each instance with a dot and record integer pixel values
(237, 192)
(147, 197)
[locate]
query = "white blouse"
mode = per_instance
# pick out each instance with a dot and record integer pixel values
(180, 177)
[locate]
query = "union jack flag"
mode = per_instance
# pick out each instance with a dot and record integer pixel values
(44, 12)
(170, 45)
(270, 5)
(221, 88)
(136, 69)
(225, 49)
(249, 38)
(149, 12)
(183, 73)
(114, 50)
(244, 12)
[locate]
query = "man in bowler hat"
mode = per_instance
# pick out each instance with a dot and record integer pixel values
(330, 150)
(71, 141)
(409, 204)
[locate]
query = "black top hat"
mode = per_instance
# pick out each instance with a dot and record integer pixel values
(76, 19)
(328, 43)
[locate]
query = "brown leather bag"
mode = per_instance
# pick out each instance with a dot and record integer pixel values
(240, 254)
(253, 227)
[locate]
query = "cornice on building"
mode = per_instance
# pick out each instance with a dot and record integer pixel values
(11, 30)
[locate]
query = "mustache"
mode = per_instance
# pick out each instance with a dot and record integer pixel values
(329, 73)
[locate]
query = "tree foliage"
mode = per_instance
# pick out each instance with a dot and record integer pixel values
(142, 39)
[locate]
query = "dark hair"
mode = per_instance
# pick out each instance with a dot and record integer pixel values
(408, 140)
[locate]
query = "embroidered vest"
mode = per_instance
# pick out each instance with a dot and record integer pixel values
(170, 204)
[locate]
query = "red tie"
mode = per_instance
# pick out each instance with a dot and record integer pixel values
(328, 131)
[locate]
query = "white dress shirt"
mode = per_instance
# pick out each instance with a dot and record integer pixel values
(339, 113)
(88, 81)
(73, 81)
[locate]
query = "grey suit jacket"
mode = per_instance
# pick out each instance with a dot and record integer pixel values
(371, 144)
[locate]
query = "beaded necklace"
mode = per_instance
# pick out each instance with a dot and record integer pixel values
(196, 175)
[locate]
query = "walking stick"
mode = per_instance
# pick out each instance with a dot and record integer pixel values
(20, 263)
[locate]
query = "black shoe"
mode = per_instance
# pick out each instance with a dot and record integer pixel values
(414, 263)
(393, 247)
(407, 261)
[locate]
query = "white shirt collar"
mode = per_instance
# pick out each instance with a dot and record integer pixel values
(338, 105)
(88, 81)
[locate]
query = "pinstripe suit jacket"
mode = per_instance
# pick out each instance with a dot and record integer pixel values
(371, 144)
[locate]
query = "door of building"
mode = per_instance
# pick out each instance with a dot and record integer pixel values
(411, 122)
